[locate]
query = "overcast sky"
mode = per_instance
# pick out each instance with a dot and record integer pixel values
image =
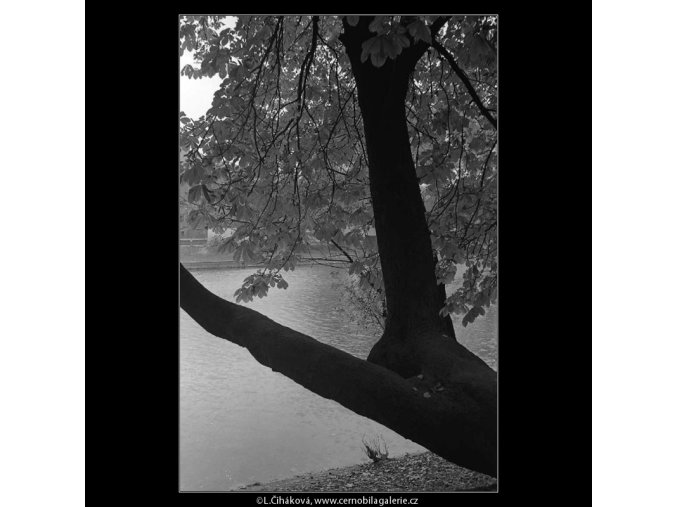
(196, 94)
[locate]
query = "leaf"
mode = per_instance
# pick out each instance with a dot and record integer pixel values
(402, 40)
(378, 59)
(368, 47)
(355, 267)
(195, 193)
(420, 31)
(353, 20)
(377, 24)
(470, 317)
(476, 144)
(205, 192)
(239, 102)
(391, 48)
(249, 253)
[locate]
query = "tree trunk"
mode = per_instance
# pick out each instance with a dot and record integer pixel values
(415, 339)
(453, 426)
(413, 297)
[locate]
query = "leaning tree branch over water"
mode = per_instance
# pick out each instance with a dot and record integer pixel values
(454, 426)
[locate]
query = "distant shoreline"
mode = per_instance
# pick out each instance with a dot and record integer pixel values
(229, 264)
(196, 257)
(213, 264)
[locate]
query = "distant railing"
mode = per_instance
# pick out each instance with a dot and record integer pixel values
(192, 241)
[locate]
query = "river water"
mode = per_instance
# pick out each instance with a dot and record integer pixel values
(240, 422)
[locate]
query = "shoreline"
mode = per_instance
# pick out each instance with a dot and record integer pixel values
(230, 264)
(421, 472)
(225, 264)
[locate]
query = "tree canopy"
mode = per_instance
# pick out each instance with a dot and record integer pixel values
(280, 158)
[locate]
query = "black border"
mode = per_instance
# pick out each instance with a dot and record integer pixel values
(132, 310)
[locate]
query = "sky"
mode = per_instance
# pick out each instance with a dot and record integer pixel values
(196, 94)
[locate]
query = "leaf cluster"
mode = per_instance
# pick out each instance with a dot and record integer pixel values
(279, 162)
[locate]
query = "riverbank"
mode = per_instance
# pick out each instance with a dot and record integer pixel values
(198, 257)
(227, 264)
(231, 264)
(423, 472)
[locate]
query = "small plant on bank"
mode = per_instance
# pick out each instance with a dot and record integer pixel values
(376, 449)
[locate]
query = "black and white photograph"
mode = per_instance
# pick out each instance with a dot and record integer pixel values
(339, 279)
(299, 227)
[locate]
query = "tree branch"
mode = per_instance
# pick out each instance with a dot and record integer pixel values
(342, 250)
(463, 77)
(455, 425)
